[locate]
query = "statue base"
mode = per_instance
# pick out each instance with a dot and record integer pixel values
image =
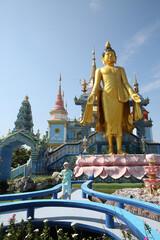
(115, 166)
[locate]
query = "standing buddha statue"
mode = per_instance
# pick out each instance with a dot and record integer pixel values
(113, 109)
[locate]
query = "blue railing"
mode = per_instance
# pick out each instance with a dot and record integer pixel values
(69, 149)
(25, 196)
(133, 222)
(120, 200)
(28, 167)
(23, 169)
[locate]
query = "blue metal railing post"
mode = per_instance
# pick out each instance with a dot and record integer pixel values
(30, 213)
(91, 176)
(25, 171)
(109, 221)
(120, 205)
(90, 185)
(83, 194)
(54, 195)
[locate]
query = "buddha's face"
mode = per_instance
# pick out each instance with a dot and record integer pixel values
(109, 58)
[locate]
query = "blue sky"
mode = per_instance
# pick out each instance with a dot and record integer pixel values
(41, 38)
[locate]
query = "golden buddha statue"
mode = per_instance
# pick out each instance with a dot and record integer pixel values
(113, 109)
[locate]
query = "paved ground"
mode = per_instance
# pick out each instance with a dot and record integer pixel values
(89, 217)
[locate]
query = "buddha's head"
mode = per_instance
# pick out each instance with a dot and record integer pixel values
(109, 55)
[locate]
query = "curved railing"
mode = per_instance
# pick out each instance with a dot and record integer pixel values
(25, 196)
(132, 221)
(120, 200)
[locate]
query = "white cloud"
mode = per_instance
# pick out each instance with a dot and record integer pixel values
(156, 71)
(151, 86)
(95, 5)
(155, 78)
(136, 41)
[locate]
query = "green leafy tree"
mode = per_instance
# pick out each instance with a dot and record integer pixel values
(20, 156)
(44, 141)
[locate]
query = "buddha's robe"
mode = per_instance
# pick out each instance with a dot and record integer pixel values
(113, 110)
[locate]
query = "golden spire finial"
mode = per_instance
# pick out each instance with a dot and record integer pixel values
(60, 78)
(26, 98)
(107, 44)
(93, 51)
(135, 80)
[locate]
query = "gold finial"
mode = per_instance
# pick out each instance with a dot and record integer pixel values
(93, 51)
(63, 94)
(66, 105)
(135, 80)
(107, 44)
(84, 84)
(60, 77)
(26, 98)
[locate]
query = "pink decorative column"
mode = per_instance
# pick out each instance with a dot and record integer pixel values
(152, 182)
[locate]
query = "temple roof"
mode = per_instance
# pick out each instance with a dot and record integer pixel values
(24, 120)
(59, 104)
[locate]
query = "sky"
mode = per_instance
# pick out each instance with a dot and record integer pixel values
(41, 38)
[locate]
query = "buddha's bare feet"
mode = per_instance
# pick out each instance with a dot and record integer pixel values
(110, 151)
(121, 152)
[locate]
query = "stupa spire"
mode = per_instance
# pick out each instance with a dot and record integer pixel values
(59, 112)
(136, 84)
(93, 65)
(60, 79)
(24, 120)
(26, 98)
(59, 105)
(135, 80)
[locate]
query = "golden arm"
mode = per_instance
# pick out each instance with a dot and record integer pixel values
(93, 95)
(131, 92)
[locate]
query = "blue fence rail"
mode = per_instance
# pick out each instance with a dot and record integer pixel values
(24, 169)
(132, 221)
(120, 200)
(25, 196)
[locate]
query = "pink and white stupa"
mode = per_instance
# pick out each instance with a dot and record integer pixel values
(58, 121)
(59, 112)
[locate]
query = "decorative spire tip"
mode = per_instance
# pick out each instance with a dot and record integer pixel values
(26, 98)
(135, 80)
(60, 77)
(93, 51)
